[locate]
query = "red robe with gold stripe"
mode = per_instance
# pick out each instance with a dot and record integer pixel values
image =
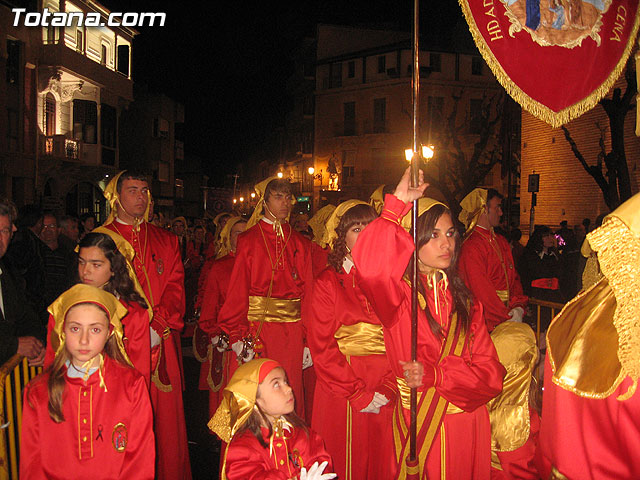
(462, 446)
(482, 270)
(159, 269)
(247, 459)
(213, 297)
(360, 444)
(105, 435)
(137, 342)
(258, 250)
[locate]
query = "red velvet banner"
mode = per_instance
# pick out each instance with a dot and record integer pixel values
(557, 58)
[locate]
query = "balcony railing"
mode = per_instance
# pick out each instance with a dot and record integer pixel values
(61, 147)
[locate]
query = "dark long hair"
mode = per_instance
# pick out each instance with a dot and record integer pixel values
(120, 284)
(357, 215)
(462, 298)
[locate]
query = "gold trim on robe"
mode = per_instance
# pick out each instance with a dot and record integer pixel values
(503, 295)
(360, 339)
(274, 310)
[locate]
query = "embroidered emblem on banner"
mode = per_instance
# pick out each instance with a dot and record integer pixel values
(120, 437)
(556, 58)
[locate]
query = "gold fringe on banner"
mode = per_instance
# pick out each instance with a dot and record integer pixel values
(537, 109)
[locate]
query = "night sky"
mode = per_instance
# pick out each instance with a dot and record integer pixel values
(229, 62)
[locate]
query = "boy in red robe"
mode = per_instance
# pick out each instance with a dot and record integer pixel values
(486, 264)
(159, 269)
(270, 285)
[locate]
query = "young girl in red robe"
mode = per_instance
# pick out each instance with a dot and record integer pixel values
(101, 264)
(457, 369)
(89, 414)
(355, 392)
(267, 440)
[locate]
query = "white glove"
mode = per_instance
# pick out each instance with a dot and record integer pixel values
(377, 402)
(238, 347)
(222, 346)
(306, 358)
(516, 314)
(155, 338)
(315, 472)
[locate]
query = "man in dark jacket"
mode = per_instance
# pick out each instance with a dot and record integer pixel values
(20, 330)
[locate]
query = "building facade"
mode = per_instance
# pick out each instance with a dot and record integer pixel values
(566, 190)
(66, 89)
(363, 107)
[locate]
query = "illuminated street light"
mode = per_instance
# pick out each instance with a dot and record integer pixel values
(311, 170)
(408, 154)
(427, 152)
(280, 174)
(235, 200)
(253, 194)
(241, 199)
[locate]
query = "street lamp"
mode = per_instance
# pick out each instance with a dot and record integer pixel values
(280, 174)
(427, 152)
(253, 194)
(241, 199)
(311, 170)
(235, 200)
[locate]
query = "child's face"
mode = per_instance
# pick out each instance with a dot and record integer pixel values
(86, 329)
(93, 267)
(275, 396)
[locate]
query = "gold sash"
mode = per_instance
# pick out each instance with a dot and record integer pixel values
(360, 339)
(275, 310)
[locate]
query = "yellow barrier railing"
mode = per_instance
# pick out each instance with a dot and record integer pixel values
(541, 306)
(14, 375)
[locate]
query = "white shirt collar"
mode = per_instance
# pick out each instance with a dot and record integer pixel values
(75, 372)
(347, 265)
(265, 219)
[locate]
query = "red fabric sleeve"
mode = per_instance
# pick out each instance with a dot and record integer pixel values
(471, 380)
(473, 270)
(331, 365)
(211, 303)
(30, 460)
(381, 274)
(232, 317)
(169, 309)
(138, 339)
(139, 463)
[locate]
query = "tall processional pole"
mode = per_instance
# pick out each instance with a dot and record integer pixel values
(415, 169)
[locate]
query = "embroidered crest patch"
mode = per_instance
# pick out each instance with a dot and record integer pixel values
(160, 266)
(120, 437)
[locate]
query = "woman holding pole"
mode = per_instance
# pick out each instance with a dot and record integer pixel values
(457, 370)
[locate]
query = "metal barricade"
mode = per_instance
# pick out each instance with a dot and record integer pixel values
(541, 311)
(14, 375)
